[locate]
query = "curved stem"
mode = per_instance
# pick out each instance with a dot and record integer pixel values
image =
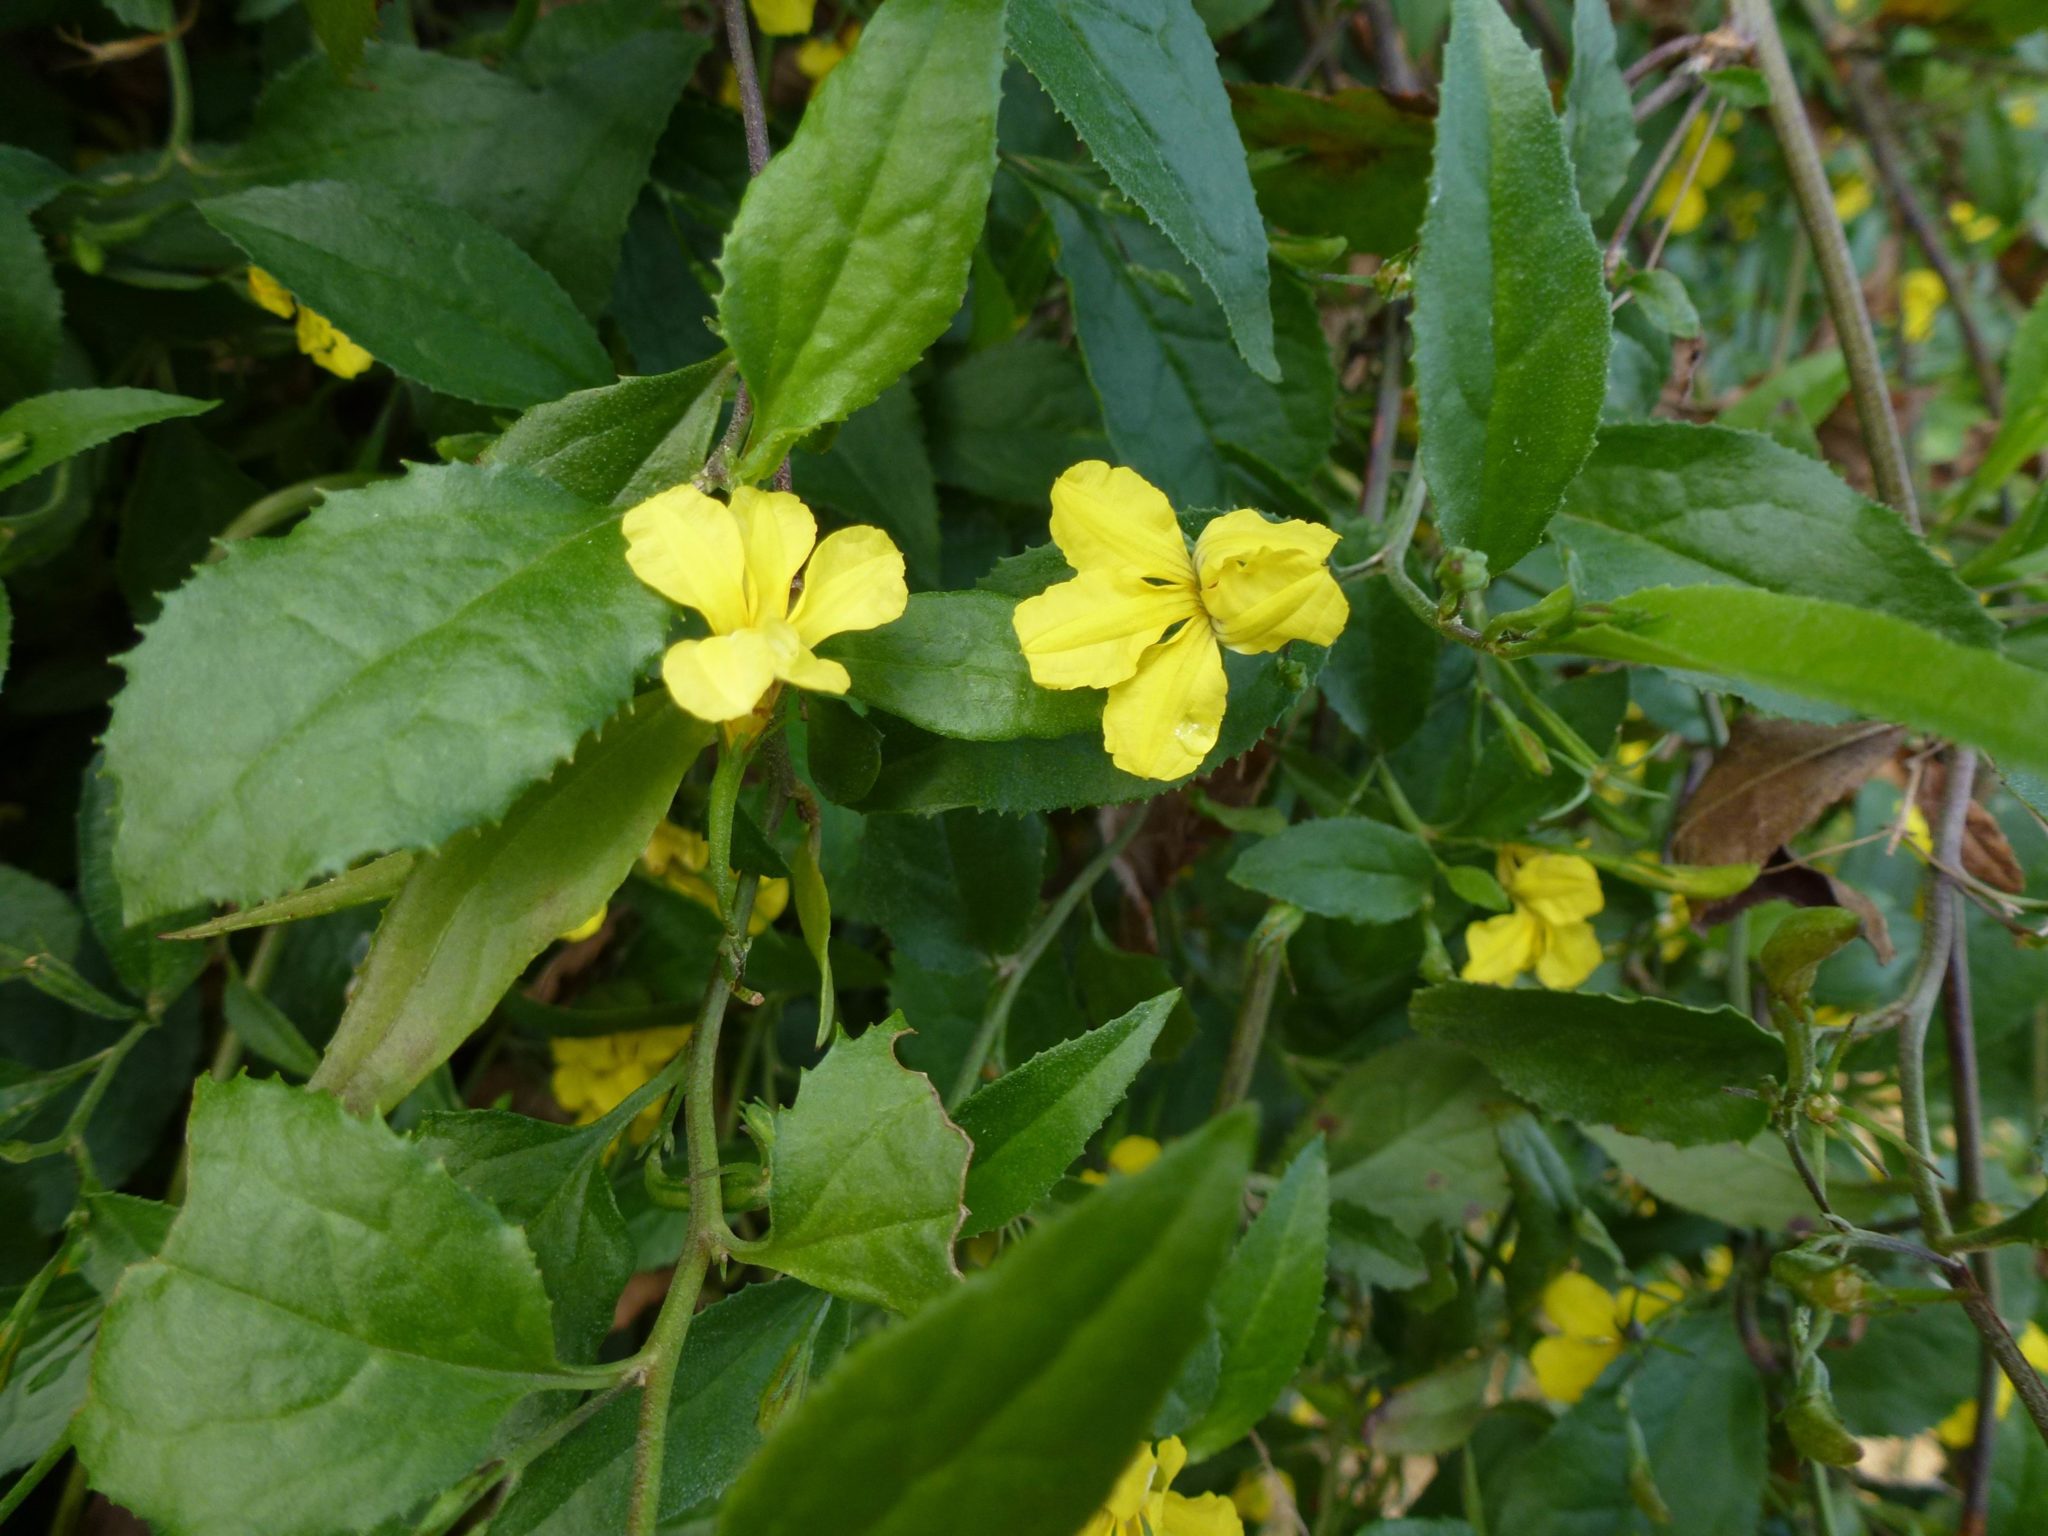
(1265, 958)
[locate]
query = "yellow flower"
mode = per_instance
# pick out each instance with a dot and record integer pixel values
(1689, 199)
(735, 564)
(1975, 227)
(1142, 1503)
(783, 18)
(594, 1074)
(817, 57)
(588, 927)
(318, 338)
(2022, 112)
(1131, 1154)
(1145, 620)
(1547, 932)
(1254, 1496)
(1674, 928)
(1852, 198)
(1921, 295)
(678, 857)
(1916, 834)
(1592, 1325)
(1960, 1428)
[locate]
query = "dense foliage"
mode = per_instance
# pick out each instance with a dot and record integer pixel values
(1143, 767)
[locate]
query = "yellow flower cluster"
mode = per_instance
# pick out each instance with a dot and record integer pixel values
(737, 564)
(1922, 293)
(1974, 226)
(1547, 932)
(1147, 620)
(594, 1075)
(1960, 1428)
(1688, 201)
(1143, 1504)
(318, 338)
(678, 857)
(1592, 1325)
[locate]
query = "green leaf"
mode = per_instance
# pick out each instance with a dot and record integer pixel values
(1410, 1133)
(624, 442)
(47, 1380)
(1382, 672)
(951, 665)
(1009, 420)
(850, 251)
(150, 967)
(31, 309)
(1267, 1302)
(262, 1027)
(1599, 117)
(373, 1377)
(1751, 1185)
(1354, 163)
(428, 289)
(1874, 663)
(1662, 297)
(1175, 394)
(1057, 1357)
(1139, 82)
(1642, 1065)
(1669, 505)
(555, 168)
(877, 472)
(378, 880)
(550, 1181)
(739, 1350)
(1511, 317)
(1341, 866)
(505, 624)
(865, 1175)
(1029, 1125)
(472, 915)
(1433, 1414)
(343, 26)
(34, 434)
(2023, 431)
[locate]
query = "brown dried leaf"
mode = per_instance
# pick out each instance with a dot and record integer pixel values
(1771, 782)
(1787, 877)
(1987, 854)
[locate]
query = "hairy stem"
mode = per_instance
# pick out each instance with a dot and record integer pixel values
(1966, 1102)
(1831, 251)
(1386, 420)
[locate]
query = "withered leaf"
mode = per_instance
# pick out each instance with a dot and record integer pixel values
(1787, 877)
(1771, 782)
(1986, 852)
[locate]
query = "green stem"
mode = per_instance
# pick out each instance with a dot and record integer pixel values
(1015, 968)
(1265, 958)
(1837, 269)
(26, 1484)
(179, 139)
(524, 14)
(266, 512)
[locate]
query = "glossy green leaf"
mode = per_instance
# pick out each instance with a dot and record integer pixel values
(1643, 1065)
(1511, 317)
(951, 665)
(376, 1376)
(865, 1175)
(1267, 1302)
(343, 26)
(1353, 163)
(850, 251)
(1410, 1134)
(877, 472)
(550, 1181)
(1870, 662)
(1381, 678)
(364, 727)
(427, 289)
(472, 915)
(1008, 421)
(1599, 118)
(1175, 394)
(1341, 866)
(1667, 505)
(626, 441)
(556, 168)
(1030, 1124)
(1139, 82)
(262, 1027)
(739, 1350)
(1057, 1357)
(31, 309)
(46, 430)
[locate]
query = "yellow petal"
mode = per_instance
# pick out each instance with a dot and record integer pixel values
(2034, 1346)
(687, 546)
(817, 57)
(1261, 603)
(771, 899)
(1644, 1306)
(721, 678)
(1566, 1367)
(328, 347)
(776, 532)
(1208, 1514)
(798, 665)
(1106, 519)
(1171, 1455)
(1557, 887)
(1092, 631)
(854, 581)
(1959, 1429)
(1571, 953)
(1581, 1307)
(1133, 1154)
(587, 927)
(1127, 1498)
(1501, 948)
(270, 293)
(1164, 719)
(1246, 535)
(783, 18)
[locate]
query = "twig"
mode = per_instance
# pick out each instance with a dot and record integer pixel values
(1619, 242)
(1265, 957)
(1966, 1098)
(1663, 53)
(1386, 421)
(1398, 74)
(1663, 94)
(1837, 269)
(1692, 171)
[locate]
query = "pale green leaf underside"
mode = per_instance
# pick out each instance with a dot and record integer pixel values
(51, 428)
